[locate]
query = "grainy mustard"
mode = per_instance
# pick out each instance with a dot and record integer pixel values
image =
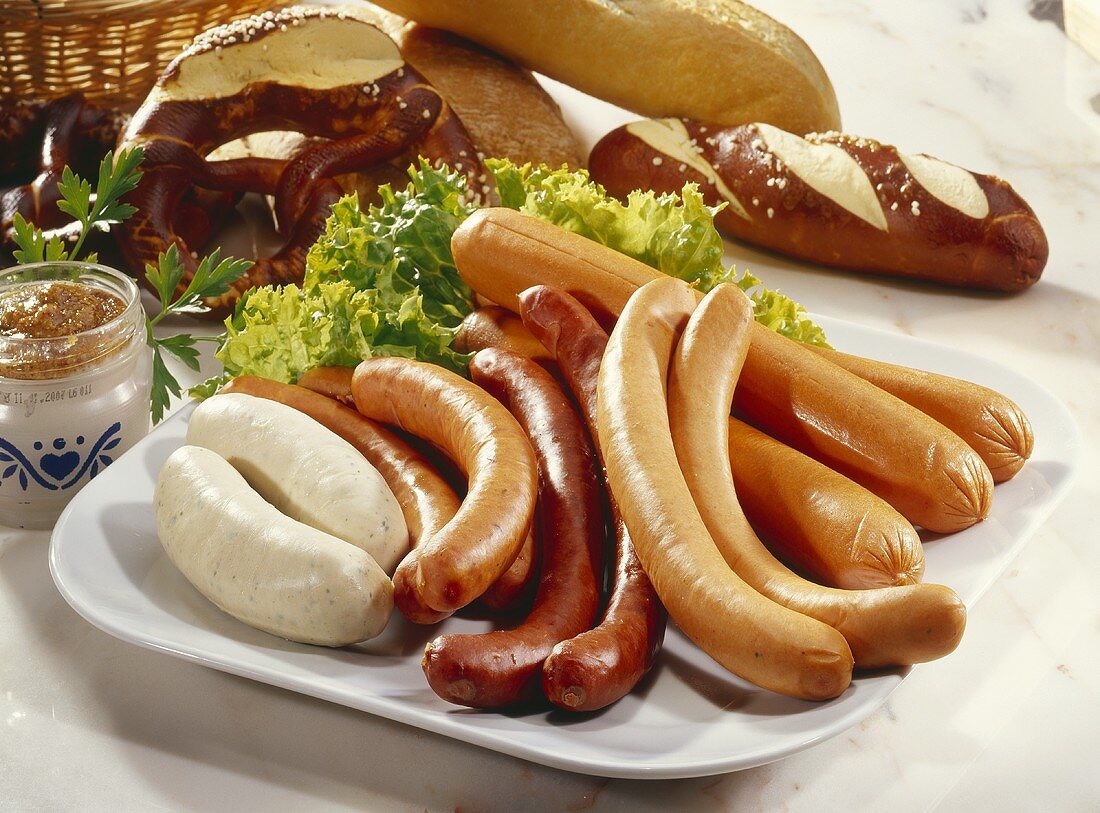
(50, 310)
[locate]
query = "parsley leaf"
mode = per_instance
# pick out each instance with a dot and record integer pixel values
(182, 346)
(116, 178)
(166, 275)
(31, 242)
(212, 279)
(163, 384)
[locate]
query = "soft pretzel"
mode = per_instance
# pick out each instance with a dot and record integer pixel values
(37, 140)
(315, 71)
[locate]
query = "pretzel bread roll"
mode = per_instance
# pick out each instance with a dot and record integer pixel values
(502, 106)
(505, 667)
(494, 326)
(991, 424)
(320, 72)
(38, 139)
(470, 552)
(837, 199)
(921, 468)
(818, 521)
(748, 634)
(887, 626)
(427, 502)
(603, 664)
(614, 51)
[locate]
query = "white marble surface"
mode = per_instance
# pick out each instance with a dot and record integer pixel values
(1008, 722)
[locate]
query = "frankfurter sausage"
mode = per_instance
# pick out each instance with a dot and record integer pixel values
(504, 667)
(894, 450)
(921, 468)
(515, 583)
(601, 665)
(748, 634)
(818, 521)
(427, 501)
(470, 552)
(259, 565)
(887, 626)
(333, 382)
(494, 326)
(991, 424)
(836, 199)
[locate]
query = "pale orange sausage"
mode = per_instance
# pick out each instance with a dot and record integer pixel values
(748, 634)
(335, 382)
(457, 564)
(991, 424)
(894, 450)
(888, 626)
(517, 583)
(914, 463)
(494, 326)
(818, 521)
(513, 585)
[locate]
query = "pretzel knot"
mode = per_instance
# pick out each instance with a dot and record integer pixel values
(37, 141)
(387, 113)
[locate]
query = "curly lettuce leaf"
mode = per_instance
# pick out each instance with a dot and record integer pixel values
(280, 333)
(378, 282)
(674, 234)
(408, 236)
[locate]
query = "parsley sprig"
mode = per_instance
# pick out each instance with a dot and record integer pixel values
(99, 211)
(212, 279)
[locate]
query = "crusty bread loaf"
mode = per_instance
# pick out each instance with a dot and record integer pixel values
(718, 61)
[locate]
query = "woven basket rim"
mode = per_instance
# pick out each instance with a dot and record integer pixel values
(92, 12)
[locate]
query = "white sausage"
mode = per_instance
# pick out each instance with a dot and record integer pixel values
(304, 470)
(260, 566)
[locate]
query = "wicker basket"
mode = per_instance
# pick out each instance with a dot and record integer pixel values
(113, 50)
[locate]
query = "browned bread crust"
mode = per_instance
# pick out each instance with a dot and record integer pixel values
(845, 201)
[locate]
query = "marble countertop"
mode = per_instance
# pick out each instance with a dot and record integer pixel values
(1007, 722)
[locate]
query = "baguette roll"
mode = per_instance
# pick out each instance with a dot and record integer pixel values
(713, 60)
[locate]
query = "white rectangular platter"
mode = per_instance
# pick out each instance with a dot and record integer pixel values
(687, 718)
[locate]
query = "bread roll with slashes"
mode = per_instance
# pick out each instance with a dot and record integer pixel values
(837, 199)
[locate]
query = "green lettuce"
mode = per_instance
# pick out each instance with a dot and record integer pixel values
(382, 280)
(379, 281)
(408, 236)
(674, 234)
(280, 333)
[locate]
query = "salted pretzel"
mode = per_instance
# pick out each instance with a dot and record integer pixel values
(319, 72)
(37, 140)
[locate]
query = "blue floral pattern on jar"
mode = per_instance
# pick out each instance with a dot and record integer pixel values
(59, 464)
